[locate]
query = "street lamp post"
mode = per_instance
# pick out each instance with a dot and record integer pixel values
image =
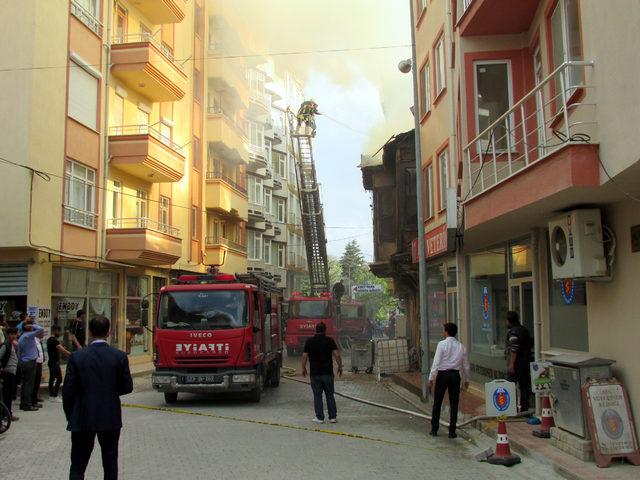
(404, 67)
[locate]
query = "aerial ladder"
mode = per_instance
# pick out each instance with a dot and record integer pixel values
(315, 239)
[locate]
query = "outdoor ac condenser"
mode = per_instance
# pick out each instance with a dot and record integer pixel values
(576, 245)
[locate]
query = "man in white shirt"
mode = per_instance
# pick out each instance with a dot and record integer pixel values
(450, 358)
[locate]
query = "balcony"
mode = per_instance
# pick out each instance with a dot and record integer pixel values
(148, 68)
(142, 241)
(222, 251)
(539, 156)
(146, 154)
(259, 106)
(89, 19)
(495, 17)
(160, 12)
(225, 196)
(226, 137)
(229, 78)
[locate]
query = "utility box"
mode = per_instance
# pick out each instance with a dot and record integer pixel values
(568, 373)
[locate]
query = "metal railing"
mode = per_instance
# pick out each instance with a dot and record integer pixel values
(225, 242)
(215, 175)
(217, 110)
(146, 130)
(86, 17)
(80, 217)
(148, 38)
(143, 222)
(553, 115)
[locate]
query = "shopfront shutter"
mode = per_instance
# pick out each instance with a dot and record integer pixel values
(13, 279)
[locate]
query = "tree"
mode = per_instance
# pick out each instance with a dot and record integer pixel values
(352, 263)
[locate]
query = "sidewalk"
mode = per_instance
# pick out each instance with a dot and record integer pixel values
(137, 370)
(521, 439)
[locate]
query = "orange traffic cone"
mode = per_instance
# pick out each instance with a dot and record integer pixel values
(547, 420)
(503, 455)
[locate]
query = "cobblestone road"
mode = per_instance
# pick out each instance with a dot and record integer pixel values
(223, 438)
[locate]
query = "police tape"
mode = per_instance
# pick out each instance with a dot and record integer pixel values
(355, 436)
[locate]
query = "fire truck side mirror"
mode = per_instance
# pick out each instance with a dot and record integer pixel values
(144, 312)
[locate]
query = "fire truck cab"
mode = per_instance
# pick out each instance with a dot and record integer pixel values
(304, 314)
(353, 320)
(217, 333)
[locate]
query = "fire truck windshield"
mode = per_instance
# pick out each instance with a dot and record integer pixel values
(203, 310)
(351, 312)
(310, 309)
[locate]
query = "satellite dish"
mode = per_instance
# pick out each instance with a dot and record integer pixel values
(405, 66)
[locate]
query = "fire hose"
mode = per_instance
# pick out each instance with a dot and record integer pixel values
(289, 376)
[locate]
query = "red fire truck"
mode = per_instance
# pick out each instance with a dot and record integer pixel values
(304, 314)
(352, 322)
(217, 333)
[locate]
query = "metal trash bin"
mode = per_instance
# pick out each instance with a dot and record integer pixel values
(568, 373)
(362, 356)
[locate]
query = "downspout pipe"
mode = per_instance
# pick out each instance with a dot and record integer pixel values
(105, 128)
(537, 324)
(422, 264)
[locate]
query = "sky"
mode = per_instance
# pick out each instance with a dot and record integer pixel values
(363, 97)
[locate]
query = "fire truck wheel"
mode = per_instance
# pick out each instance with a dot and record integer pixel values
(275, 376)
(256, 394)
(170, 397)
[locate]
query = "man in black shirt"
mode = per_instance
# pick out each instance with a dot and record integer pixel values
(320, 351)
(518, 351)
(54, 349)
(78, 331)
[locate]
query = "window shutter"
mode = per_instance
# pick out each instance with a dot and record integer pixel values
(83, 96)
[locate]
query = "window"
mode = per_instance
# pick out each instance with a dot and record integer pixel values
(166, 131)
(410, 216)
(564, 26)
(256, 82)
(493, 99)
(443, 172)
(267, 251)
(281, 210)
(425, 90)
(194, 222)
(83, 95)
(281, 259)
(254, 245)
(197, 85)
(79, 201)
(117, 111)
(120, 24)
(142, 207)
(280, 164)
(142, 118)
(255, 190)
(440, 65)
(267, 146)
(87, 12)
(116, 200)
(428, 191)
(256, 134)
(268, 199)
(197, 153)
(164, 211)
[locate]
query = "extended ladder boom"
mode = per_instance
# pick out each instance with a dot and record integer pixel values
(311, 209)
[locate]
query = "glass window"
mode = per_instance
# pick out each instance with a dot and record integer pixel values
(267, 146)
(83, 96)
(136, 338)
(281, 210)
(493, 99)
(164, 211)
(268, 199)
(425, 90)
(142, 207)
(281, 253)
(203, 310)
(254, 245)
(116, 200)
(569, 328)
(267, 251)
(310, 309)
(79, 194)
(443, 172)
(166, 132)
(256, 134)
(436, 301)
(197, 153)
(520, 259)
(440, 65)
(256, 195)
(566, 45)
(428, 191)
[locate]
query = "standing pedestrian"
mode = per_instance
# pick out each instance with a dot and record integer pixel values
(39, 362)
(54, 349)
(450, 358)
(8, 367)
(319, 352)
(518, 352)
(78, 331)
(28, 355)
(96, 378)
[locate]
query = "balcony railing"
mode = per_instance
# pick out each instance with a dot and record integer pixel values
(146, 130)
(80, 217)
(86, 17)
(220, 240)
(148, 38)
(143, 222)
(548, 118)
(217, 110)
(219, 176)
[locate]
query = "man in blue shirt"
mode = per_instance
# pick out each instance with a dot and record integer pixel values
(28, 352)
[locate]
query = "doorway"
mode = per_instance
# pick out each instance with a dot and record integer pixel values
(521, 301)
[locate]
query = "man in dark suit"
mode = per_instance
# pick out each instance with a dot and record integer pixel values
(96, 377)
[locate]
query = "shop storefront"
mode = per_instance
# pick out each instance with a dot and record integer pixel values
(13, 291)
(441, 298)
(137, 339)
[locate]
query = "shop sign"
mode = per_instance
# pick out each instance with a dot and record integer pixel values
(486, 309)
(436, 242)
(540, 377)
(568, 290)
(500, 398)
(610, 422)
(368, 288)
(68, 306)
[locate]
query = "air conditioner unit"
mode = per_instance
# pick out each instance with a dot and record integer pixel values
(576, 245)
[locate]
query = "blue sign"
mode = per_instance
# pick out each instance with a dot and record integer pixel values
(568, 290)
(501, 399)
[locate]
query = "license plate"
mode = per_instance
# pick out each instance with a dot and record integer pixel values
(202, 379)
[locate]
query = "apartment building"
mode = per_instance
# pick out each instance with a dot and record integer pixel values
(105, 114)
(525, 117)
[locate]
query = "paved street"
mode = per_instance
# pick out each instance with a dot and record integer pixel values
(229, 438)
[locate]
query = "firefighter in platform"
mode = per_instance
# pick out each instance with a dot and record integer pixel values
(306, 113)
